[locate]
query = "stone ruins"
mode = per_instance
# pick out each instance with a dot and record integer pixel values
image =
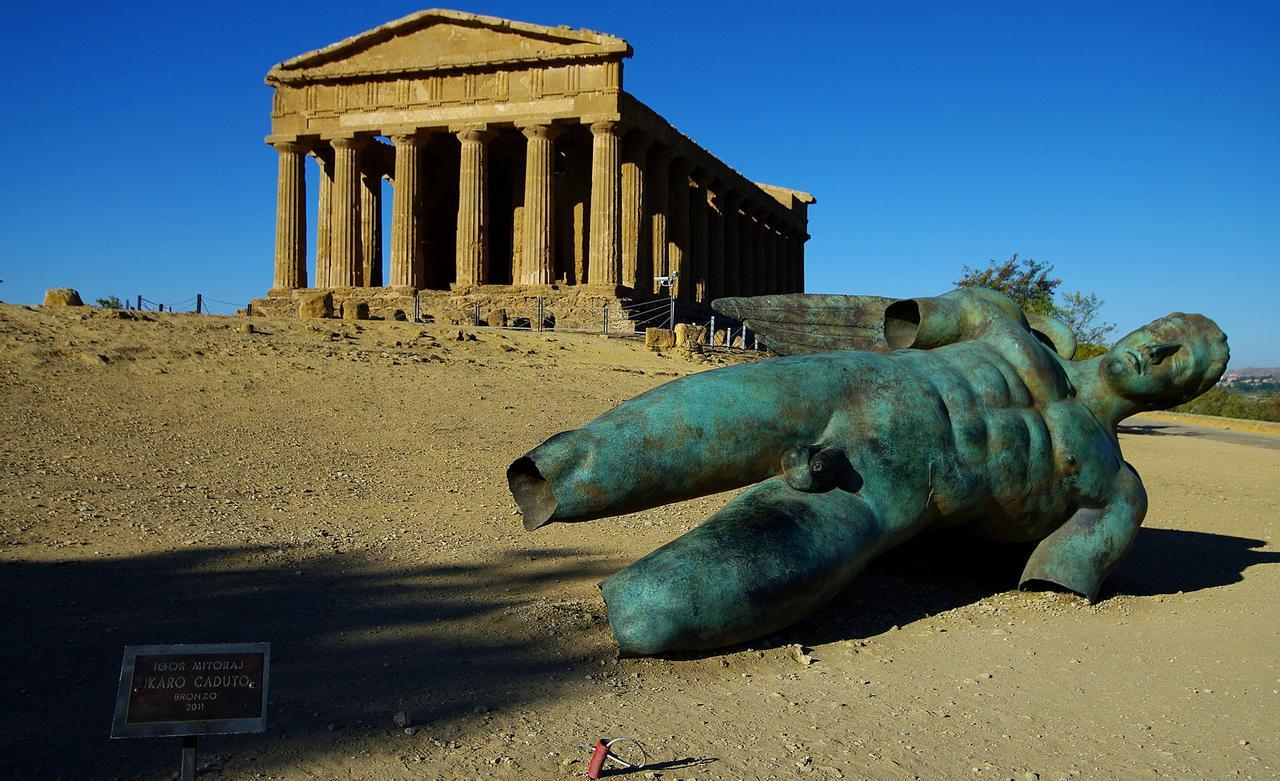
(518, 169)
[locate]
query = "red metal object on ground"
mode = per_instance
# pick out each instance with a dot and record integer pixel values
(598, 756)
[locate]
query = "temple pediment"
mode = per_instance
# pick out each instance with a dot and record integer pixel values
(438, 40)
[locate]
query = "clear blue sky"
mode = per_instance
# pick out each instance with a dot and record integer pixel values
(1134, 145)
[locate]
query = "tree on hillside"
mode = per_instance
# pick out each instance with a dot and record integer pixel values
(110, 302)
(1028, 283)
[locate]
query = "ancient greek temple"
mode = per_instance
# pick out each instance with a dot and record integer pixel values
(516, 165)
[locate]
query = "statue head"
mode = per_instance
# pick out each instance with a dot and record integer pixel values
(1167, 362)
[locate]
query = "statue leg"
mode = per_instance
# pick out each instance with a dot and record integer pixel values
(772, 556)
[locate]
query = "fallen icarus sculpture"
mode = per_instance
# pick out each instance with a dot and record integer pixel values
(954, 412)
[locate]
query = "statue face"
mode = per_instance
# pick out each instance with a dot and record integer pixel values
(1167, 362)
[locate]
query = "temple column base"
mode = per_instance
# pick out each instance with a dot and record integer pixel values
(600, 289)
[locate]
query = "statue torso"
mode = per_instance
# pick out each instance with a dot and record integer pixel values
(1024, 454)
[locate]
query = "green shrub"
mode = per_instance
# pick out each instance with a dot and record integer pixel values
(1226, 403)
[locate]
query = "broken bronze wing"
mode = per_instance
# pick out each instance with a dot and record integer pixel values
(799, 323)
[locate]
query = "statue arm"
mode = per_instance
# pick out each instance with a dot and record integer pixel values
(1080, 554)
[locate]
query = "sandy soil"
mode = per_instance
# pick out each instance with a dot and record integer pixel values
(338, 491)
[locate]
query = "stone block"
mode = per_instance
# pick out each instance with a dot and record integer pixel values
(315, 305)
(737, 342)
(688, 334)
(355, 310)
(62, 296)
(719, 337)
(659, 338)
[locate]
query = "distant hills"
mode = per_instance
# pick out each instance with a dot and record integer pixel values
(1252, 380)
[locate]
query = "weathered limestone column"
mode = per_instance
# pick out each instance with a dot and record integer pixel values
(748, 253)
(407, 267)
(635, 271)
(472, 247)
(604, 261)
(732, 262)
(771, 259)
(538, 257)
(658, 192)
(784, 261)
(763, 280)
(790, 246)
(780, 254)
(291, 219)
(345, 253)
(371, 227)
(715, 241)
(516, 215)
(698, 244)
(678, 241)
(324, 218)
(799, 262)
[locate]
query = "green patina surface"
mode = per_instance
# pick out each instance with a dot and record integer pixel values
(954, 413)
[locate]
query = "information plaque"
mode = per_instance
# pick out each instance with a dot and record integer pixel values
(192, 690)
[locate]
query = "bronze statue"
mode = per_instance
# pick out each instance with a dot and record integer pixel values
(976, 420)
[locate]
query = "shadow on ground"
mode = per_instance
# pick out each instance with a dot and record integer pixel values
(352, 641)
(1157, 430)
(355, 640)
(940, 572)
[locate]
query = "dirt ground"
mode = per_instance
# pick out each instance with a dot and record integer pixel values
(338, 490)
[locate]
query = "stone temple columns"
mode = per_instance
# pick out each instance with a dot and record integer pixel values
(291, 220)
(324, 218)
(658, 191)
(747, 251)
(775, 260)
(345, 248)
(698, 244)
(678, 241)
(371, 227)
(790, 246)
(784, 262)
(715, 242)
(762, 276)
(537, 263)
(798, 262)
(732, 262)
(407, 267)
(636, 271)
(472, 247)
(603, 260)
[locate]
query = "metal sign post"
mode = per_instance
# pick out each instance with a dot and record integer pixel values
(669, 282)
(192, 690)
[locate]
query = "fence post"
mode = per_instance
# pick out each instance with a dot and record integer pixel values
(604, 319)
(756, 339)
(417, 311)
(711, 337)
(476, 317)
(199, 302)
(139, 306)
(539, 314)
